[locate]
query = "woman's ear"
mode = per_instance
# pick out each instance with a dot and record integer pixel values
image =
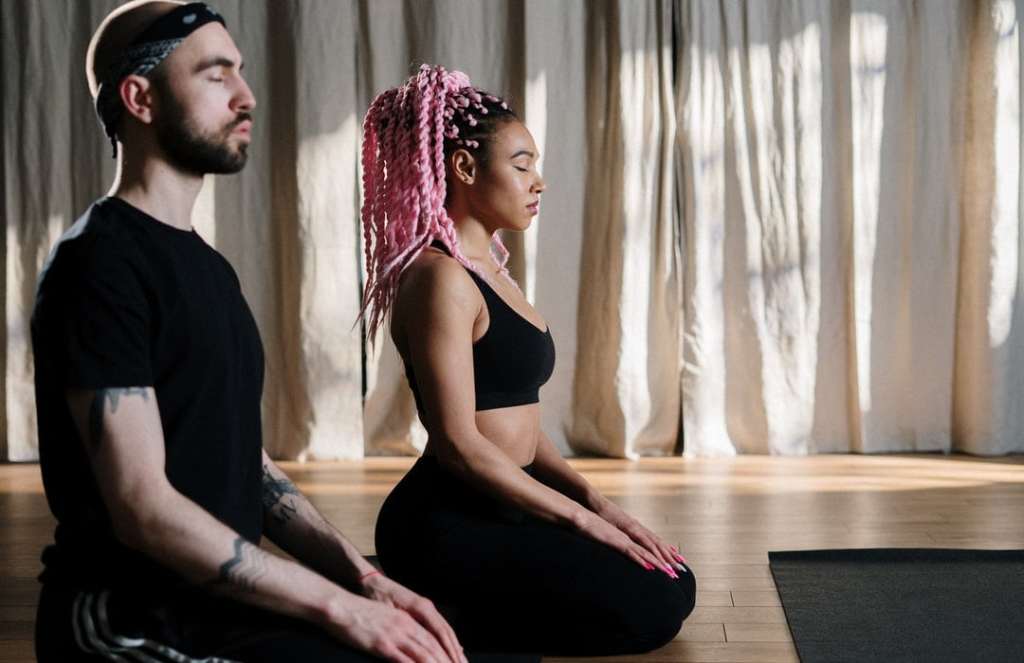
(464, 166)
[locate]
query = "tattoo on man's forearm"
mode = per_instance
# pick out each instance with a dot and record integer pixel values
(276, 502)
(244, 569)
(113, 396)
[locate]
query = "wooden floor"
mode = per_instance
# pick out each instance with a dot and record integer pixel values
(725, 515)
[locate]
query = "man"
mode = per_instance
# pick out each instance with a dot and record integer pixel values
(149, 372)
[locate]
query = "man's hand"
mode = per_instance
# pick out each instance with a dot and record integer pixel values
(387, 632)
(392, 621)
(385, 590)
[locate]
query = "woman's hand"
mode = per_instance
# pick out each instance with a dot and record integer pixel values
(385, 590)
(667, 555)
(599, 529)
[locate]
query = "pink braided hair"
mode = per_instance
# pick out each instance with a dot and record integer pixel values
(404, 186)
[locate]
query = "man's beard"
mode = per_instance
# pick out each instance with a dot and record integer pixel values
(193, 151)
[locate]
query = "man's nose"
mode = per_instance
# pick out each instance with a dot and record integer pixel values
(243, 99)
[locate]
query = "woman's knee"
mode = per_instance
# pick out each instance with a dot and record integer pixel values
(657, 616)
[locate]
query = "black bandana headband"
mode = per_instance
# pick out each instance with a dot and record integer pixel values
(144, 54)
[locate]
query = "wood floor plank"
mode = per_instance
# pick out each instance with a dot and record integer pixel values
(17, 651)
(735, 615)
(18, 629)
(702, 633)
(730, 571)
(714, 598)
(755, 598)
(757, 633)
(703, 652)
(733, 584)
(17, 613)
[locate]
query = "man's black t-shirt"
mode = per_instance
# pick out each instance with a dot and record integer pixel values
(127, 301)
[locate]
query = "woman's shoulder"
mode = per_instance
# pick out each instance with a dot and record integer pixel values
(436, 276)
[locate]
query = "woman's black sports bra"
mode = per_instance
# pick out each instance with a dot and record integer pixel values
(510, 361)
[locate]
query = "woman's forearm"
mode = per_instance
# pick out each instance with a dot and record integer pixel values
(553, 470)
(477, 460)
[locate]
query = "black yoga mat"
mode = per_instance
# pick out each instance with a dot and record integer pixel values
(926, 605)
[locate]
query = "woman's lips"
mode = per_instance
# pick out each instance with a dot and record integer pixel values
(533, 207)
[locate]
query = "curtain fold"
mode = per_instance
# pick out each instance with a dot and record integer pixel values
(762, 220)
(989, 368)
(789, 227)
(626, 393)
(54, 165)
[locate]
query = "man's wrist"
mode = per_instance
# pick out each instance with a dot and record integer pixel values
(336, 608)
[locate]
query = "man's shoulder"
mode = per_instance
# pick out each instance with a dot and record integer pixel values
(98, 240)
(102, 226)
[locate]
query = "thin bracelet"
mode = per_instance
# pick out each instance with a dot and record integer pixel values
(367, 575)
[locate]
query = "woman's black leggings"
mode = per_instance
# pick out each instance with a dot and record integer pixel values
(508, 581)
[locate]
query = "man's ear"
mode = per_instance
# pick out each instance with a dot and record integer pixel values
(137, 96)
(464, 166)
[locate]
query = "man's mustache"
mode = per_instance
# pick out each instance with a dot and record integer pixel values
(241, 117)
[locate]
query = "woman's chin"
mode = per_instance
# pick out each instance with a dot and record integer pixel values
(516, 225)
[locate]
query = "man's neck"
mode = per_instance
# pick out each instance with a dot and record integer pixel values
(153, 186)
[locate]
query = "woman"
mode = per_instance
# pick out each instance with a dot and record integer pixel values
(513, 545)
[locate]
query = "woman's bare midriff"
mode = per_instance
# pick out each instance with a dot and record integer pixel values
(514, 430)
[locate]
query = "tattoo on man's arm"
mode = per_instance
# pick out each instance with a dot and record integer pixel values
(276, 502)
(112, 395)
(244, 569)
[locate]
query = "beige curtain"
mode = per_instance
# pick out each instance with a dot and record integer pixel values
(849, 181)
(626, 391)
(776, 227)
